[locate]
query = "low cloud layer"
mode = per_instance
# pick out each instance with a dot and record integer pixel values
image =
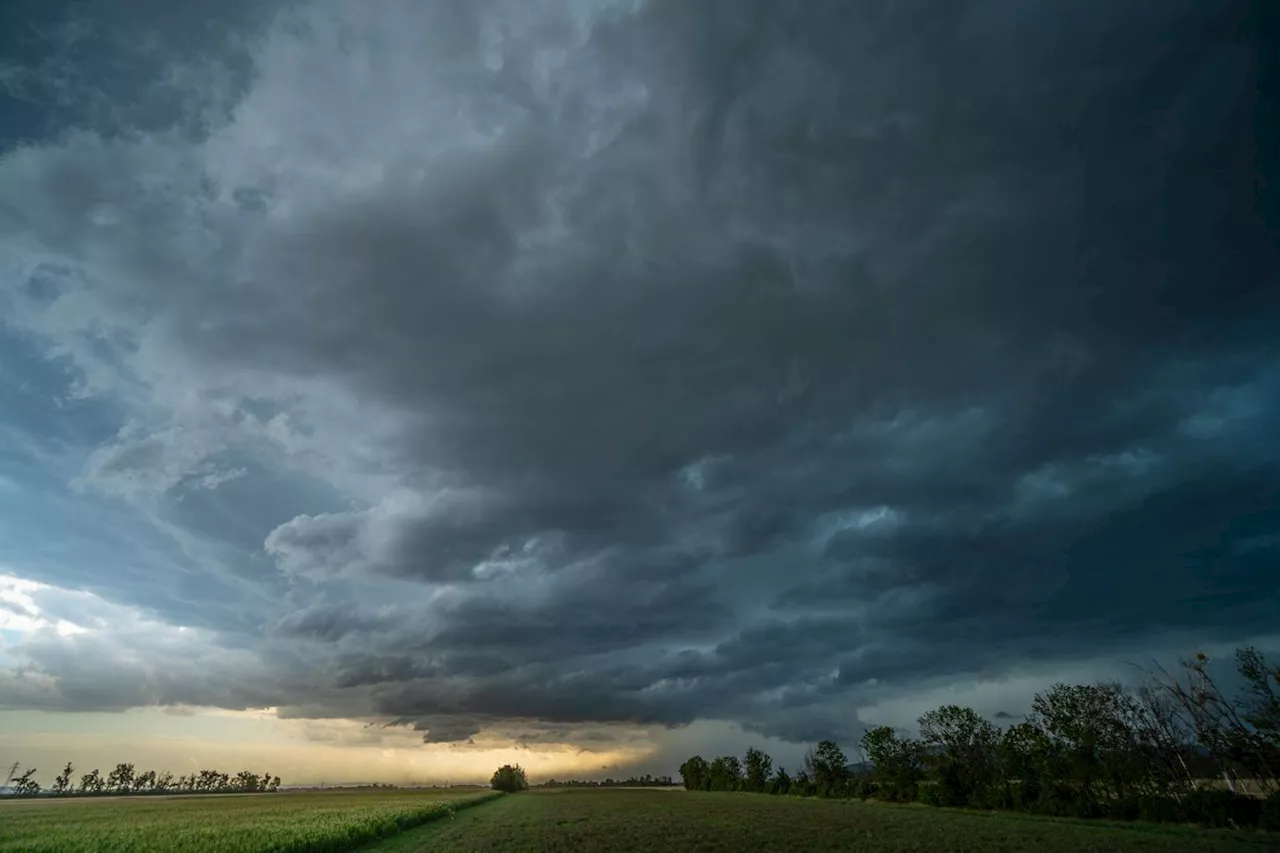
(484, 365)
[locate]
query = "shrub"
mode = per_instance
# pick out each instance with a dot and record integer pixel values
(931, 794)
(864, 788)
(1062, 800)
(509, 779)
(1269, 819)
(1222, 808)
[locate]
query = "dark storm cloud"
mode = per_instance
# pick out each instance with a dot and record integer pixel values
(761, 352)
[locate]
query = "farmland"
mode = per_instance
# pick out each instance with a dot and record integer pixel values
(305, 822)
(567, 819)
(634, 820)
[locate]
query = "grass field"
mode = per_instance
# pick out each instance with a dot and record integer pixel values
(304, 822)
(633, 820)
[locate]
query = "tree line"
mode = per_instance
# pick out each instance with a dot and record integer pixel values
(124, 779)
(645, 781)
(1175, 749)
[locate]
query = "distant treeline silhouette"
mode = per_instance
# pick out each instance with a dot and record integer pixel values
(125, 780)
(645, 781)
(1175, 749)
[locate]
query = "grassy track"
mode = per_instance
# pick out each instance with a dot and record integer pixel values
(310, 822)
(659, 820)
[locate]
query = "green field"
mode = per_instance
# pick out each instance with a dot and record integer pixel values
(621, 820)
(632, 820)
(304, 822)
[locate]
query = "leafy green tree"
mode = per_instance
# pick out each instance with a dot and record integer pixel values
(802, 784)
(694, 774)
(725, 774)
(780, 782)
(827, 767)
(1089, 742)
(1023, 756)
(509, 778)
(897, 764)
(757, 766)
(962, 747)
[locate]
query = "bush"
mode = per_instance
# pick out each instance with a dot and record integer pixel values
(509, 779)
(1270, 816)
(931, 794)
(1018, 796)
(1222, 809)
(1062, 800)
(1161, 810)
(864, 788)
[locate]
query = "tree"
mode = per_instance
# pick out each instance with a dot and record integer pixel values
(758, 765)
(1090, 744)
(1241, 734)
(802, 784)
(26, 785)
(725, 774)
(62, 782)
(780, 783)
(120, 780)
(962, 746)
(1165, 739)
(509, 779)
(896, 761)
(91, 782)
(246, 782)
(208, 781)
(1023, 755)
(694, 774)
(164, 782)
(145, 781)
(827, 767)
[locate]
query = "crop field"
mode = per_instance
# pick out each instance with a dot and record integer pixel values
(633, 820)
(304, 822)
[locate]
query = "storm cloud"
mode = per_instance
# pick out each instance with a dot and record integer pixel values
(469, 365)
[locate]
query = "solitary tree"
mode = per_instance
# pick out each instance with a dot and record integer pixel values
(509, 778)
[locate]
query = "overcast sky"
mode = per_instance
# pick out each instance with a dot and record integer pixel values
(599, 381)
